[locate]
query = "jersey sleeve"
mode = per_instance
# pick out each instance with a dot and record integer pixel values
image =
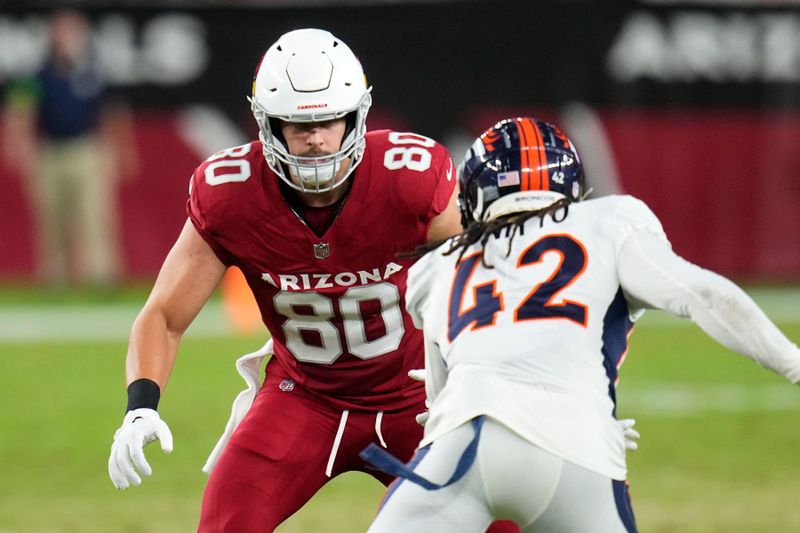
(435, 369)
(425, 187)
(445, 182)
(632, 217)
(652, 275)
(198, 208)
(420, 277)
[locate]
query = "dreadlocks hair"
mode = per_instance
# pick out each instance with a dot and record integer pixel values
(483, 231)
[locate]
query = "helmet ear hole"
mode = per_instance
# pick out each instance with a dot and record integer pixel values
(349, 124)
(276, 130)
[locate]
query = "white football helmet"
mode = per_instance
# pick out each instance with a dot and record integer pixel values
(310, 76)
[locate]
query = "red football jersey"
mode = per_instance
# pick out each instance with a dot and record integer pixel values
(333, 304)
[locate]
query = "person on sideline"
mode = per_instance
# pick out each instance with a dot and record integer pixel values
(71, 139)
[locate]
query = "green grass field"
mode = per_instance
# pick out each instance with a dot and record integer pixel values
(719, 446)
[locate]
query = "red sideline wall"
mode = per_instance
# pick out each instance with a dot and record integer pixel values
(726, 185)
(152, 205)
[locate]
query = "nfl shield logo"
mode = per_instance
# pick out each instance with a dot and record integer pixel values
(287, 385)
(322, 250)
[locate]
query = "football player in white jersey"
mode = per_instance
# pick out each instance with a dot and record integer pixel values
(526, 316)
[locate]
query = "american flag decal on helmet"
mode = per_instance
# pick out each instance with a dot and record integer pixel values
(507, 179)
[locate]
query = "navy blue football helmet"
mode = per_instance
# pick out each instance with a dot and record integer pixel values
(519, 164)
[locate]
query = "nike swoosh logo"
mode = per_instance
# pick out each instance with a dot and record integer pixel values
(450, 171)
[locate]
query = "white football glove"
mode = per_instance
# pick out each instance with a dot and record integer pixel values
(417, 374)
(139, 428)
(631, 435)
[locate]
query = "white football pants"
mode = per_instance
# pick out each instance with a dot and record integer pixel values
(511, 479)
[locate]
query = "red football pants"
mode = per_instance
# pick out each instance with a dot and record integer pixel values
(277, 458)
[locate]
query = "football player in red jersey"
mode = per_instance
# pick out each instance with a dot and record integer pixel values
(314, 214)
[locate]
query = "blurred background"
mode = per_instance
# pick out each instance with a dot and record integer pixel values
(692, 106)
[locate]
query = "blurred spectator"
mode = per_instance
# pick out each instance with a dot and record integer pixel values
(71, 142)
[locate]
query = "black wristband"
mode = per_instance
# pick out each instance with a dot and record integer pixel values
(143, 393)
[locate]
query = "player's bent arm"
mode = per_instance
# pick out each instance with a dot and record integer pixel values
(435, 370)
(448, 222)
(187, 278)
(653, 276)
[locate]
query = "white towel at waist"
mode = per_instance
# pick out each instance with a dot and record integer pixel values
(248, 367)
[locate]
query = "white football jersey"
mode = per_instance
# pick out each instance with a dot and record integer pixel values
(536, 340)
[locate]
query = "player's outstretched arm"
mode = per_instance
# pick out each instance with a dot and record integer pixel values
(188, 276)
(653, 276)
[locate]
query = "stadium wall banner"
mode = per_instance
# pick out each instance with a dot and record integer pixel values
(695, 109)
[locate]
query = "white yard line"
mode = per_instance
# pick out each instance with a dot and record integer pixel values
(681, 400)
(113, 322)
(659, 399)
(93, 323)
